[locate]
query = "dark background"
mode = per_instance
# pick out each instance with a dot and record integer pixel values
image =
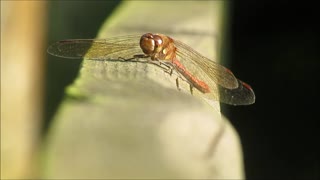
(274, 50)
(273, 47)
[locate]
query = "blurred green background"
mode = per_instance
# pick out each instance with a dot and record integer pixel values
(69, 20)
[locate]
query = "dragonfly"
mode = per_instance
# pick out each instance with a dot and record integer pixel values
(211, 79)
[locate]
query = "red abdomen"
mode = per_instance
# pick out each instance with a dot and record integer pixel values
(200, 85)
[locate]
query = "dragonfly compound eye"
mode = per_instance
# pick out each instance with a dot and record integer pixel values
(150, 44)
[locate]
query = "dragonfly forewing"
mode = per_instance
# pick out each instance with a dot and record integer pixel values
(195, 61)
(97, 49)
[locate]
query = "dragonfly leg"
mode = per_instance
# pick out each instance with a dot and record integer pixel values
(177, 83)
(166, 68)
(169, 66)
(124, 59)
(191, 89)
(190, 85)
(140, 56)
(169, 70)
(135, 58)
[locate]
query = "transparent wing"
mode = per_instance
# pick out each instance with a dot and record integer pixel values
(97, 49)
(194, 60)
(224, 86)
(243, 95)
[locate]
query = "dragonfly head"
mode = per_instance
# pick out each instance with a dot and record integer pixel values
(151, 44)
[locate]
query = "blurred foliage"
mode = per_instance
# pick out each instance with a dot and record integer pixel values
(69, 20)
